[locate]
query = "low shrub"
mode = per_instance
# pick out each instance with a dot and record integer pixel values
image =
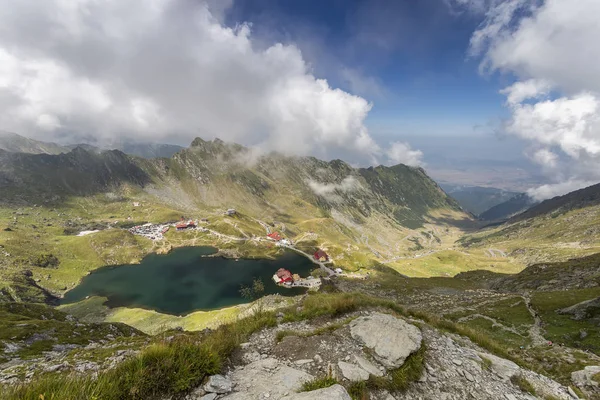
(522, 383)
(318, 383)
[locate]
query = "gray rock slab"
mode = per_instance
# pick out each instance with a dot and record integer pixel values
(353, 372)
(368, 366)
(505, 369)
(267, 376)
(391, 339)
(583, 378)
(218, 384)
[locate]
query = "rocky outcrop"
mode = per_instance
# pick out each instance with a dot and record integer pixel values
(454, 367)
(391, 339)
(266, 378)
(588, 380)
(585, 310)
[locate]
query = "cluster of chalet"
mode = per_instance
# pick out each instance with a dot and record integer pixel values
(185, 224)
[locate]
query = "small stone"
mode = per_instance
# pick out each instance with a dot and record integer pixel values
(352, 372)
(267, 395)
(210, 396)
(218, 384)
(318, 359)
(430, 369)
(468, 375)
(510, 396)
(456, 361)
(572, 393)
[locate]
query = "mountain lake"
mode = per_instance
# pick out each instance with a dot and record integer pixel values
(186, 280)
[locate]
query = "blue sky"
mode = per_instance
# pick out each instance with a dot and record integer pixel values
(410, 60)
(414, 51)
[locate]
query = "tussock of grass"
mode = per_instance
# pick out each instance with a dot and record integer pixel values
(486, 363)
(596, 377)
(400, 378)
(318, 383)
(522, 383)
(358, 391)
(320, 331)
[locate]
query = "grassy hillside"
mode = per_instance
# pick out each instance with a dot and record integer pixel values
(553, 236)
(359, 216)
(508, 209)
(19, 144)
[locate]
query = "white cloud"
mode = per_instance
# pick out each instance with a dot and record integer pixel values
(546, 158)
(552, 48)
(329, 190)
(557, 42)
(401, 153)
(520, 91)
(558, 189)
(165, 70)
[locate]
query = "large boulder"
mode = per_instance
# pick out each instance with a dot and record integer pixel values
(589, 309)
(266, 377)
(335, 392)
(391, 339)
(584, 378)
(505, 369)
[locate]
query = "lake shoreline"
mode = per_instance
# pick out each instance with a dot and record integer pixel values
(187, 279)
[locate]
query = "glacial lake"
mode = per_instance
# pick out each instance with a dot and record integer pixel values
(186, 280)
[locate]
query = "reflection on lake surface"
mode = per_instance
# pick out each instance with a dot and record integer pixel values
(184, 281)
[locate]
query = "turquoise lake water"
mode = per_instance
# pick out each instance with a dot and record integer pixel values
(185, 280)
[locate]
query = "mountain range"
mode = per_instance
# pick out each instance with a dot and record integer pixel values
(403, 245)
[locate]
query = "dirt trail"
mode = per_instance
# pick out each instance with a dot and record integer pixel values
(494, 322)
(535, 332)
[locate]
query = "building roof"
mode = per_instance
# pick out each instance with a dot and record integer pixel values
(320, 253)
(274, 235)
(284, 274)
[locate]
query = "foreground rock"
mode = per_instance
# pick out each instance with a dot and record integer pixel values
(373, 344)
(391, 339)
(268, 378)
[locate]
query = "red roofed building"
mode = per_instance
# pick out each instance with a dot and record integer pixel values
(275, 236)
(185, 225)
(284, 275)
(321, 256)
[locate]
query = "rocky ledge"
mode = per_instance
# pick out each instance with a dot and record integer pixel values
(276, 362)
